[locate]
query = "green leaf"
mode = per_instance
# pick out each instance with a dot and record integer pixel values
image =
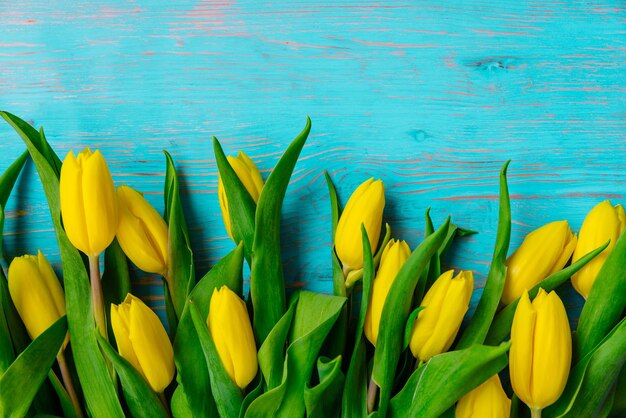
(257, 391)
(386, 238)
(180, 407)
(20, 382)
(501, 326)
(64, 398)
(141, 400)
(7, 310)
(606, 302)
(181, 274)
(267, 284)
(95, 379)
(7, 181)
(227, 394)
(315, 315)
(193, 373)
(324, 399)
(115, 278)
(438, 384)
(241, 206)
(479, 325)
(396, 312)
(336, 342)
(272, 352)
(354, 401)
(619, 399)
(424, 283)
(408, 329)
(339, 285)
(591, 380)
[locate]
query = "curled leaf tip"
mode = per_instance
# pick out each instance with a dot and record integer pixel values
(505, 167)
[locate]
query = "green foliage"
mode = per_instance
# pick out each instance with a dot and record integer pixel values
(20, 382)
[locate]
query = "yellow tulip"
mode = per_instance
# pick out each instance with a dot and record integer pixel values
(142, 232)
(142, 340)
(251, 178)
(486, 401)
(604, 222)
(36, 292)
(88, 203)
(393, 257)
(541, 350)
(445, 305)
(365, 206)
(543, 252)
(229, 325)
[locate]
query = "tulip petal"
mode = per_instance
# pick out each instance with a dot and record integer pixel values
(393, 257)
(602, 223)
(552, 350)
(71, 197)
(232, 335)
(152, 345)
(365, 206)
(521, 353)
(34, 293)
(100, 202)
(120, 324)
(142, 232)
(539, 255)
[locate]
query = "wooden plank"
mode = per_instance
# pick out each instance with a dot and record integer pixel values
(431, 97)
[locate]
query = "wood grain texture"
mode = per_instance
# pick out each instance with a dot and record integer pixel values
(430, 96)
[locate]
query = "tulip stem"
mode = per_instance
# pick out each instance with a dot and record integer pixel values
(69, 384)
(372, 392)
(97, 302)
(535, 413)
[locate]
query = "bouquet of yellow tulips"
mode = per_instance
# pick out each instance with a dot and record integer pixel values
(389, 342)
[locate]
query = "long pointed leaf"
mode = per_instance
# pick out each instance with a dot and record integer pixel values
(479, 325)
(141, 400)
(241, 206)
(438, 384)
(354, 402)
(95, 379)
(314, 317)
(227, 395)
(396, 312)
(193, 374)
(323, 400)
(20, 382)
(181, 274)
(267, 284)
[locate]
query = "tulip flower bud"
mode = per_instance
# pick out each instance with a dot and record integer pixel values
(541, 349)
(365, 206)
(142, 232)
(486, 401)
(88, 203)
(142, 340)
(393, 257)
(543, 252)
(249, 175)
(36, 292)
(230, 328)
(445, 305)
(604, 222)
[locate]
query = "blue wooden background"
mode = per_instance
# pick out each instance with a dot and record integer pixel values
(430, 96)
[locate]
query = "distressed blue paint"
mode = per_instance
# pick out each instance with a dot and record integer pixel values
(431, 97)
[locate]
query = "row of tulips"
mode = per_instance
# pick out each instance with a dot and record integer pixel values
(389, 342)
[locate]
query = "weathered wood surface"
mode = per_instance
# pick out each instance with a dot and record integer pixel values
(430, 96)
